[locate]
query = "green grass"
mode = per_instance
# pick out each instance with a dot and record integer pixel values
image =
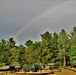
(65, 72)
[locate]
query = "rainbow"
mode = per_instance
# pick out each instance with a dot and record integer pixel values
(42, 14)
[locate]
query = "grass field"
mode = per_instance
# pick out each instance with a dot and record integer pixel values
(63, 72)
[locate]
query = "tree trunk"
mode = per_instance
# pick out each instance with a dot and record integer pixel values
(60, 57)
(64, 60)
(60, 62)
(64, 56)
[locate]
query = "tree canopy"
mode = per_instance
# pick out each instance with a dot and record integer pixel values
(54, 47)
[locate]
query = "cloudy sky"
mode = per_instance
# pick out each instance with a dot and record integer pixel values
(27, 19)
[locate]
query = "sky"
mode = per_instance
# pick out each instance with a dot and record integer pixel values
(27, 19)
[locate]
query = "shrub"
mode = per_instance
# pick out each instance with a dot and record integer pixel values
(56, 66)
(26, 69)
(11, 68)
(50, 68)
(24, 66)
(16, 70)
(74, 65)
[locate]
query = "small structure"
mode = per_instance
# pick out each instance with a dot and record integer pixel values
(4, 68)
(15, 66)
(48, 65)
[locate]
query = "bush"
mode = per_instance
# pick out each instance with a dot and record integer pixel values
(25, 66)
(26, 69)
(74, 65)
(50, 68)
(33, 68)
(36, 68)
(56, 66)
(11, 68)
(16, 70)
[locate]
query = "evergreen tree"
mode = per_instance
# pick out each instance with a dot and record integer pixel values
(63, 42)
(73, 46)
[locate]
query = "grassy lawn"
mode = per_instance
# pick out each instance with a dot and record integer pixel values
(65, 72)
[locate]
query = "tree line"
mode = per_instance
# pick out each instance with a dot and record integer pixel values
(54, 47)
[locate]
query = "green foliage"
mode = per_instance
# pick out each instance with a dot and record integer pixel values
(63, 41)
(22, 54)
(72, 52)
(25, 66)
(54, 47)
(28, 43)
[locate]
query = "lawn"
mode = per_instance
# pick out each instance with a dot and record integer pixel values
(63, 72)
